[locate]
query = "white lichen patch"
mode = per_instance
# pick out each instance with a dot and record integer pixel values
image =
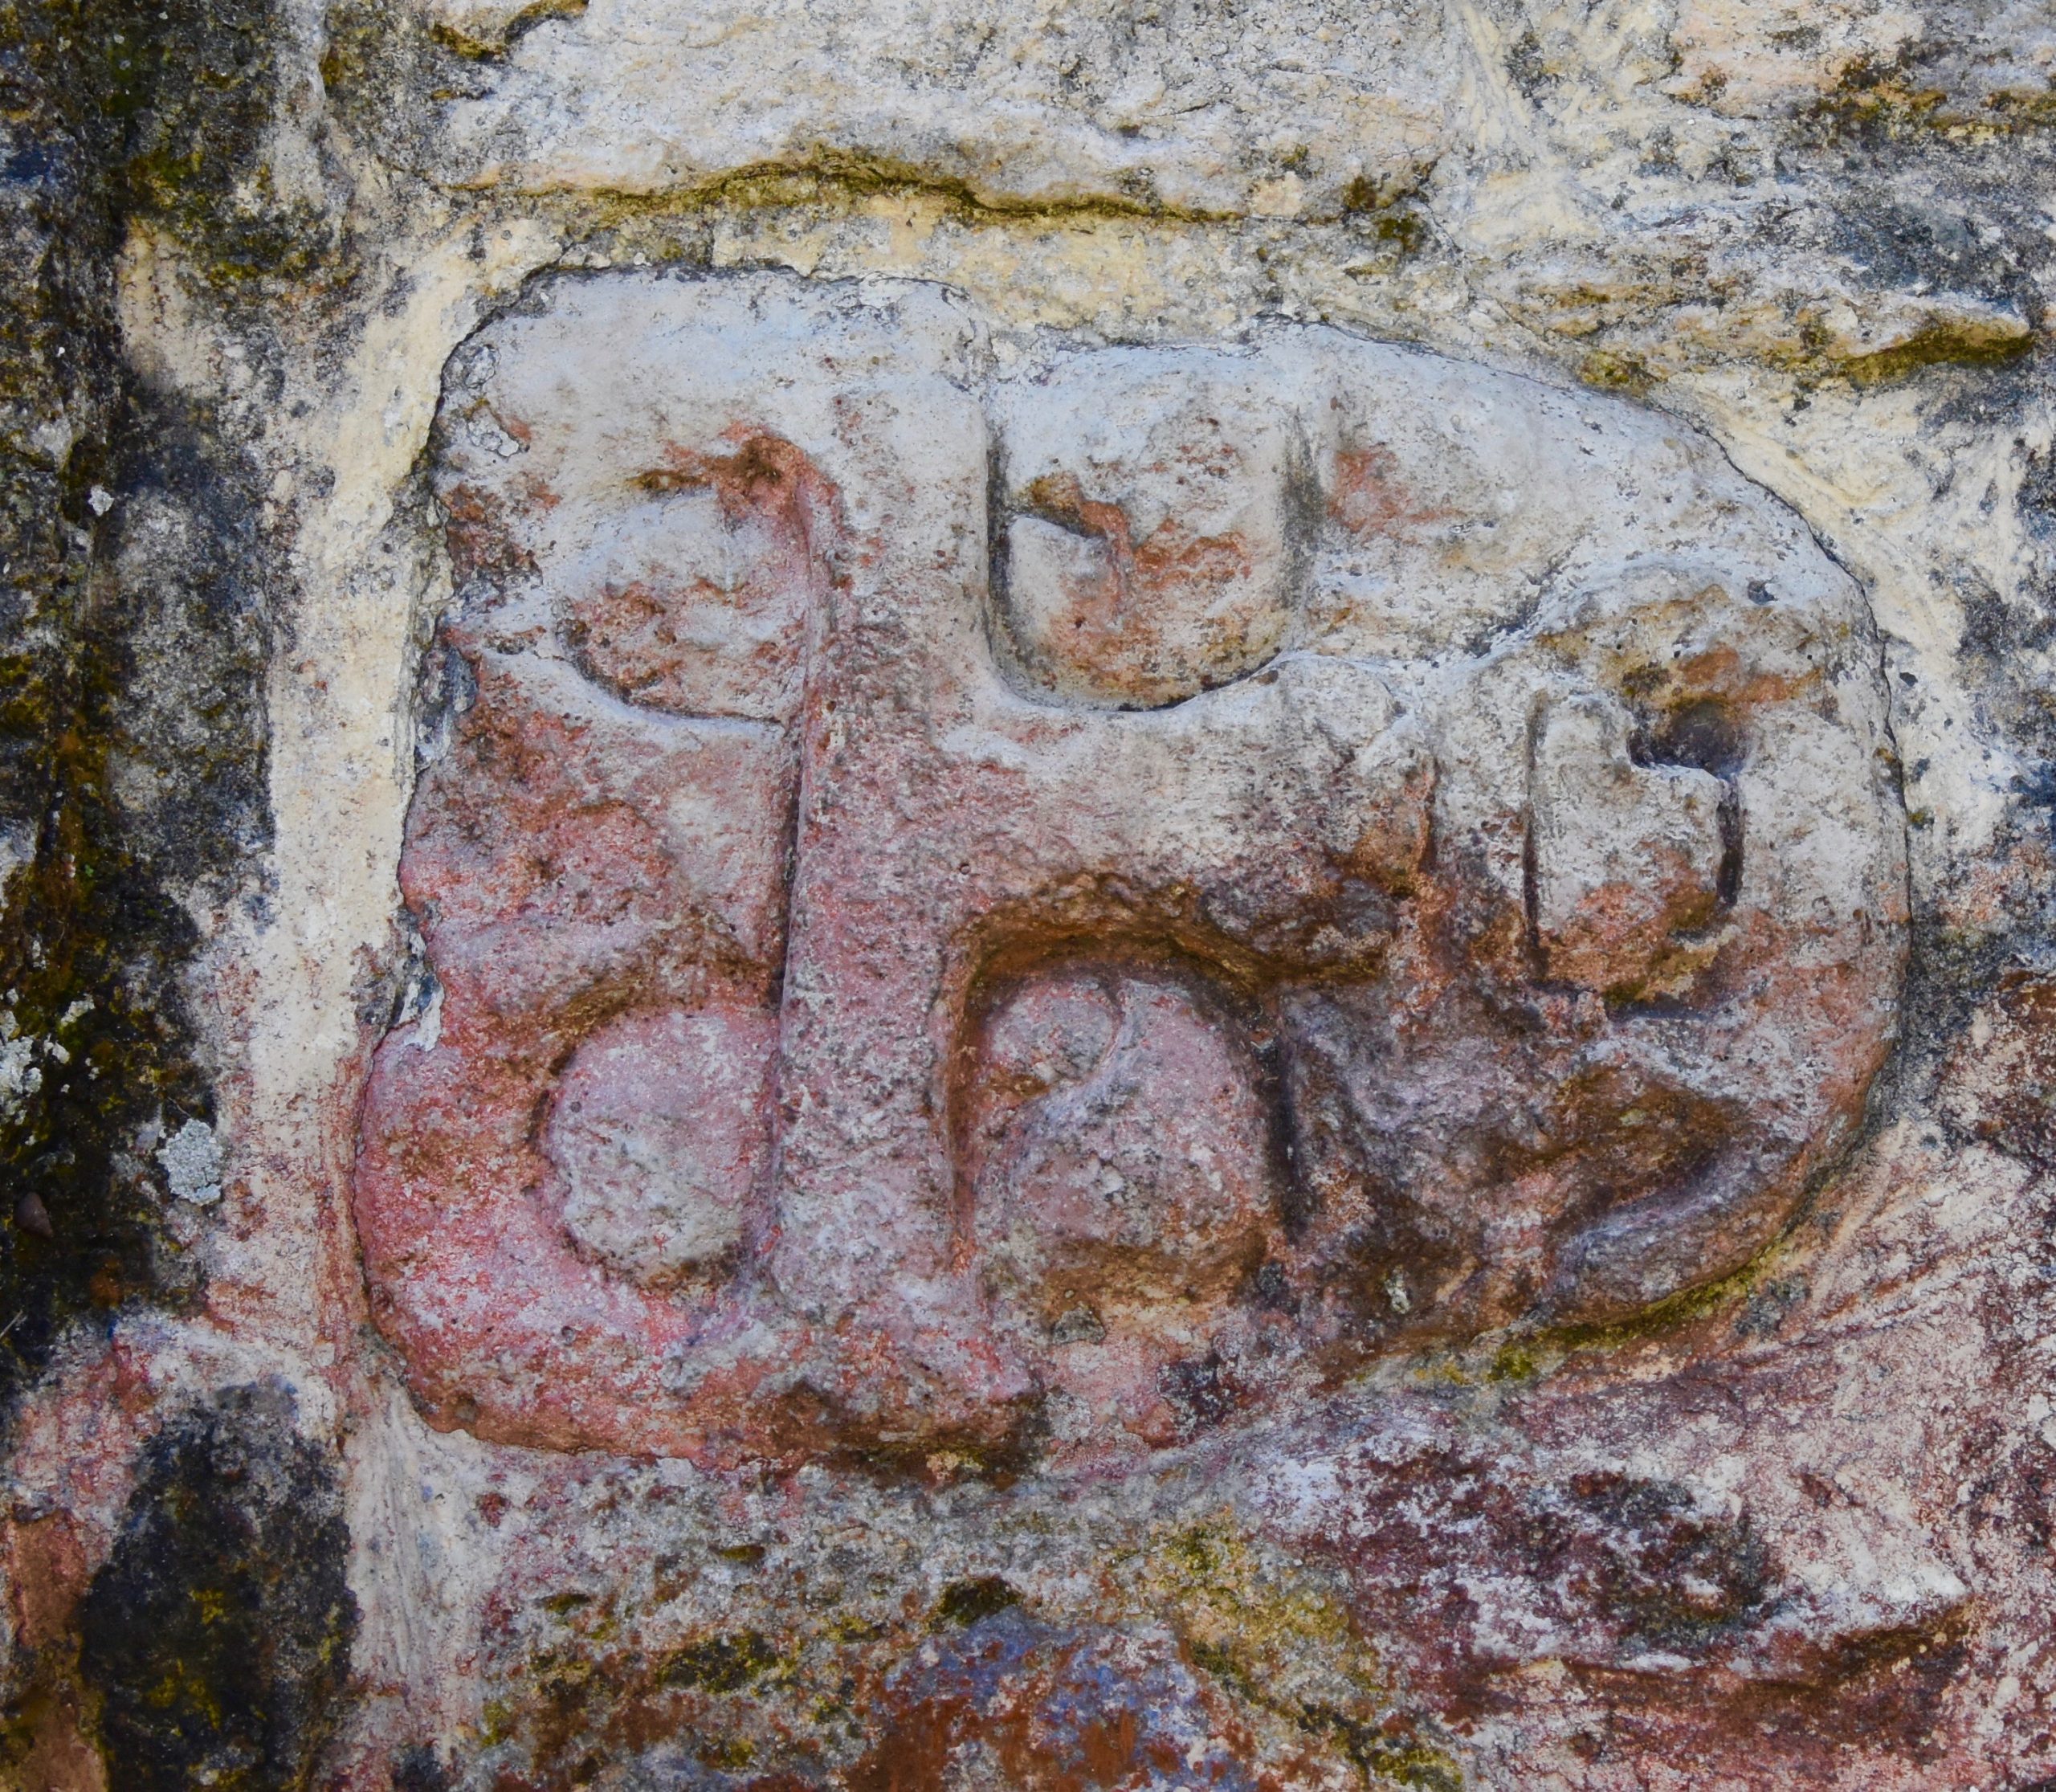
(20, 1075)
(192, 1160)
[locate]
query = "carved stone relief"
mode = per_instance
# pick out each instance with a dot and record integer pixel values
(1036, 909)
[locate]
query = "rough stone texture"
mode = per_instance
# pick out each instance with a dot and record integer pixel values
(1075, 897)
(216, 1634)
(1513, 966)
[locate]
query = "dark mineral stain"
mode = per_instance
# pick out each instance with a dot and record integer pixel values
(132, 643)
(966, 1602)
(1526, 63)
(417, 1768)
(217, 1633)
(721, 1663)
(190, 88)
(1674, 1578)
(1198, 1390)
(162, 678)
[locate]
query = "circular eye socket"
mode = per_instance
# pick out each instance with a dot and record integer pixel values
(661, 1131)
(693, 596)
(1150, 554)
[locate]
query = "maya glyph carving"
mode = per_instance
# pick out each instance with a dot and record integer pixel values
(1035, 908)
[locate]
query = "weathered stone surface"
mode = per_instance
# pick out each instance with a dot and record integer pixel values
(1188, 107)
(218, 1633)
(910, 897)
(1422, 979)
(1151, 549)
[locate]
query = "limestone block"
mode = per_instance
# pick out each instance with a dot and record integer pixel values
(920, 896)
(1182, 953)
(1181, 108)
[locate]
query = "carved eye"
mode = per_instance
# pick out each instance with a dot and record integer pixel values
(1152, 552)
(1628, 860)
(695, 600)
(661, 1132)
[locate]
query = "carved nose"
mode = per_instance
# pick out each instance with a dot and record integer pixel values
(1260, 827)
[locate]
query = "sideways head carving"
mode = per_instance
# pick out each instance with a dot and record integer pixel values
(1391, 852)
